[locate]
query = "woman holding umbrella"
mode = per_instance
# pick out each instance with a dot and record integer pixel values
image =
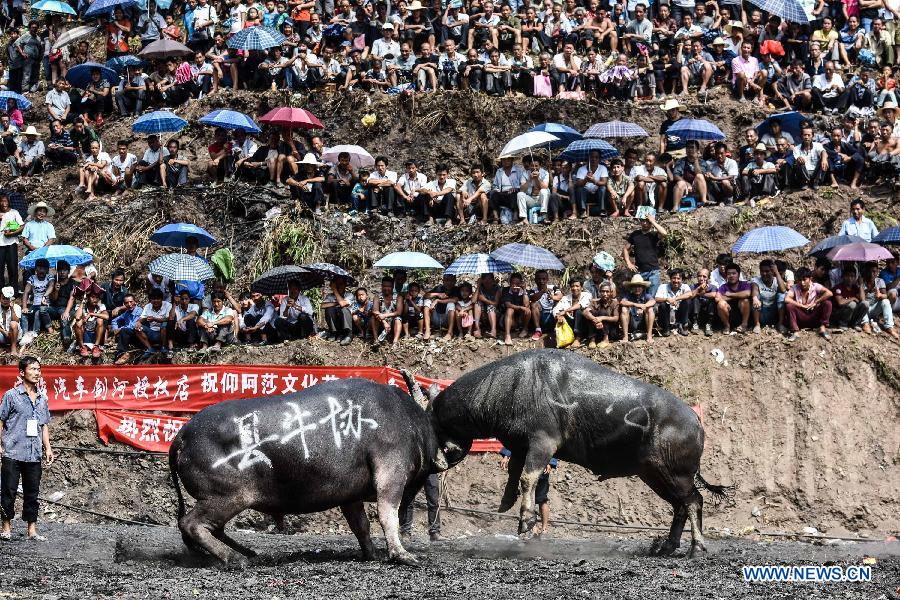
(117, 32)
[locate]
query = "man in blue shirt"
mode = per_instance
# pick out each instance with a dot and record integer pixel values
(858, 224)
(38, 231)
(25, 416)
(125, 328)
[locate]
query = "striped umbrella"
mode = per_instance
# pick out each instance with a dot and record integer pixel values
(580, 151)
(527, 255)
(890, 237)
(477, 264)
(275, 281)
(230, 119)
(104, 7)
(21, 101)
(54, 6)
(255, 38)
(159, 121)
(769, 239)
(615, 129)
(294, 118)
(789, 10)
(182, 267)
(695, 129)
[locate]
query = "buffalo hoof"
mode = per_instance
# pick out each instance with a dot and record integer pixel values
(697, 550)
(526, 529)
(507, 502)
(236, 562)
(663, 547)
(405, 558)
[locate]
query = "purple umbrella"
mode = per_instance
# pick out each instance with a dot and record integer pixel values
(860, 251)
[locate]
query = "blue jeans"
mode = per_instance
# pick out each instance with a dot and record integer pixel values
(653, 278)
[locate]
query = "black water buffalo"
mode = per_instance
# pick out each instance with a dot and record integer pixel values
(336, 444)
(545, 403)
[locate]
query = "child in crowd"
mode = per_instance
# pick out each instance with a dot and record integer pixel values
(415, 304)
(361, 312)
(387, 314)
(359, 194)
(465, 309)
(39, 287)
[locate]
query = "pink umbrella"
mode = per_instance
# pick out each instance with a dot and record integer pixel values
(294, 118)
(860, 251)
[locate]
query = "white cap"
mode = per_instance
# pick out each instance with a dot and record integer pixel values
(8, 292)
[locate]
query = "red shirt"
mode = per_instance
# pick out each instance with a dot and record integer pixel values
(216, 147)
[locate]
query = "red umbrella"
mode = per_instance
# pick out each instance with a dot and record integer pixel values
(860, 251)
(294, 118)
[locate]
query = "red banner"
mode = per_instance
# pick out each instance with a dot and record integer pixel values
(150, 432)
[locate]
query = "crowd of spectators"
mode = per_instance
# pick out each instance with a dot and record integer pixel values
(632, 302)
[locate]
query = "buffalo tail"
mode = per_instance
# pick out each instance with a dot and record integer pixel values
(174, 449)
(720, 493)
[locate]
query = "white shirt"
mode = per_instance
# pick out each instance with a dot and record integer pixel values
(163, 313)
(567, 302)
(388, 174)
(511, 182)
(665, 291)
(641, 171)
(381, 48)
(411, 186)
(123, 165)
(718, 280)
(768, 294)
(470, 188)
(180, 313)
(10, 216)
(813, 156)
(247, 149)
(559, 61)
(39, 287)
(152, 157)
(301, 305)
(600, 173)
(434, 186)
(730, 168)
(821, 82)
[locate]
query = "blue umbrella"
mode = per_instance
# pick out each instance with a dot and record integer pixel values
(230, 119)
(477, 264)
(182, 267)
(822, 249)
(789, 10)
(407, 260)
(54, 6)
(769, 239)
(22, 101)
(119, 63)
(255, 38)
(890, 236)
(80, 75)
(695, 129)
(159, 121)
(55, 253)
(580, 150)
(790, 123)
(566, 134)
(527, 255)
(615, 129)
(175, 235)
(104, 7)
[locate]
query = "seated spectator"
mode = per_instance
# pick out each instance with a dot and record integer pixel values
(783, 159)
(36, 298)
(95, 98)
(387, 313)
(59, 105)
(114, 291)
(473, 198)
(673, 303)
(591, 186)
(153, 323)
(132, 91)
(721, 176)
(28, 158)
(651, 184)
(440, 307)
(508, 180)
(181, 328)
(380, 185)
(487, 301)
(126, 327)
(733, 301)
(338, 318)
(562, 199)
(9, 135)
(220, 156)
(758, 177)
(10, 320)
(216, 326)
(90, 323)
(516, 308)
(689, 178)
(61, 150)
(844, 160)
(438, 197)
(878, 305)
(308, 184)
(542, 299)
(795, 87)
(534, 191)
(408, 188)
(602, 317)
(414, 315)
(703, 304)
(173, 167)
(808, 305)
(90, 172)
(295, 315)
(810, 161)
(119, 175)
(890, 274)
(147, 170)
(638, 309)
(361, 312)
(850, 306)
(570, 309)
(767, 294)
(828, 91)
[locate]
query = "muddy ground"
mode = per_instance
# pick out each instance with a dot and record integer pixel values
(85, 561)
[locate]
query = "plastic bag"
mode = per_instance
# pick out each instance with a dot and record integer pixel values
(564, 334)
(542, 86)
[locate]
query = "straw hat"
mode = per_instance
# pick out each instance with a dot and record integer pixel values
(32, 131)
(388, 25)
(671, 104)
(888, 105)
(637, 280)
(33, 209)
(719, 41)
(734, 25)
(760, 147)
(415, 5)
(310, 159)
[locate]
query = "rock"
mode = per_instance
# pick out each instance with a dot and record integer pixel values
(809, 531)
(756, 512)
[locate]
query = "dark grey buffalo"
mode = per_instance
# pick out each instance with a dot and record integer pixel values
(336, 444)
(545, 403)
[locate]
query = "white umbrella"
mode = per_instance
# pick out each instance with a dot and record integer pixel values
(527, 141)
(358, 156)
(74, 35)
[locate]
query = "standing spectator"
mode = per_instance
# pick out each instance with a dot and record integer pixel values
(808, 305)
(338, 320)
(646, 243)
(673, 304)
(734, 299)
(25, 415)
(31, 47)
(150, 25)
(11, 226)
(294, 320)
(858, 224)
(117, 31)
(638, 307)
